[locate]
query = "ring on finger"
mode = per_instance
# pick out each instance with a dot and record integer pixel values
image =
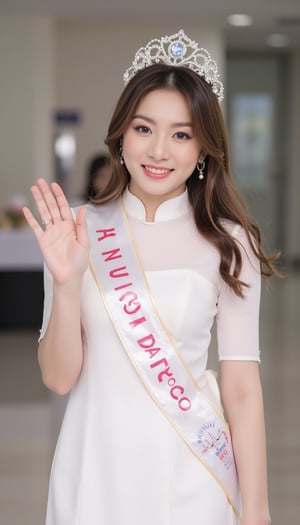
(46, 222)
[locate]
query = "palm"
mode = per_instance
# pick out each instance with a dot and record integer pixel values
(63, 253)
(64, 243)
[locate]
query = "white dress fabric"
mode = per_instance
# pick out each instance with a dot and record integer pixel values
(118, 461)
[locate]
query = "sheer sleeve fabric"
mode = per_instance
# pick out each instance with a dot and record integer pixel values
(238, 318)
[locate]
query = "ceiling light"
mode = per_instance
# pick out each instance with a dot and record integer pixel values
(277, 40)
(240, 20)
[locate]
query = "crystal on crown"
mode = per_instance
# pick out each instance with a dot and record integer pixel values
(177, 50)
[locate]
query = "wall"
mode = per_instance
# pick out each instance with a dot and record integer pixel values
(293, 175)
(26, 100)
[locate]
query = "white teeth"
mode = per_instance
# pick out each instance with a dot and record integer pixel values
(157, 171)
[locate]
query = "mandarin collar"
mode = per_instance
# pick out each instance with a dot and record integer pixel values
(168, 210)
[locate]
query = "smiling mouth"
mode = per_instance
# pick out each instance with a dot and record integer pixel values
(156, 173)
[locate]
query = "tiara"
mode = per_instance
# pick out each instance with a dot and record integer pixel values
(177, 50)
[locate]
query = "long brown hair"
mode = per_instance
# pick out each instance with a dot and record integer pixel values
(216, 197)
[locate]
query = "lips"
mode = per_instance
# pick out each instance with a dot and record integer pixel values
(156, 172)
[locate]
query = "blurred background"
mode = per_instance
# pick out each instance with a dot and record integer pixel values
(61, 64)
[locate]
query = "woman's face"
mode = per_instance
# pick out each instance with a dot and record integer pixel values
(159, 147)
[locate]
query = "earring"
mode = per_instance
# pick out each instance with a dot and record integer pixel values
(121, 155)
(200, 167)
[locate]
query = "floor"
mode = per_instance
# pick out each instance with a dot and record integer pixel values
(30, 415)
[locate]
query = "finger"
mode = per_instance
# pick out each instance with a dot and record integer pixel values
(32, 222)
(62, 202)
(82, 235)
(42, 207)
(49, 199)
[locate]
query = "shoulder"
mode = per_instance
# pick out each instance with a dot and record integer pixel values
(237, 232)
(93, 208)
(234, 229)
(244, 240)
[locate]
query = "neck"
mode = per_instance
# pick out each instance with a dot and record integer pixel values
(152, 202)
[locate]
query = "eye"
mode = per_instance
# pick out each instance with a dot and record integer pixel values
(181, 135)
(142, 129)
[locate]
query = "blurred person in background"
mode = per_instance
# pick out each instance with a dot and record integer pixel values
(97, 176)
(134, 282)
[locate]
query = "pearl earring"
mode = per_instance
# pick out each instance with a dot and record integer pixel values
(200, 167)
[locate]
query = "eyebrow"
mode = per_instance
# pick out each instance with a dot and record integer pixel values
(174, 124)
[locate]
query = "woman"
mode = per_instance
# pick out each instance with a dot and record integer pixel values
(98, 175)
(172, 250)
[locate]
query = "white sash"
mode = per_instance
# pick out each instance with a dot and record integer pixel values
(127, 297)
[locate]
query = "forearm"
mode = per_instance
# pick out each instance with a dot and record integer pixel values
(245, 413)
(60, 352)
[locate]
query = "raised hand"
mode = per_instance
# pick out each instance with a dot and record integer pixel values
(63, 240)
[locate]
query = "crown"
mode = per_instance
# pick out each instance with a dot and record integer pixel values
(177, 50)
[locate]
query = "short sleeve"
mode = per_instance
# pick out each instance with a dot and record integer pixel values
(238, 318)
(48, 297)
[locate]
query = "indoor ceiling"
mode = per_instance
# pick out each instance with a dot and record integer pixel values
(269, 16)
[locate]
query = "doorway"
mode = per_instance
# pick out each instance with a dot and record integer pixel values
(256, 117)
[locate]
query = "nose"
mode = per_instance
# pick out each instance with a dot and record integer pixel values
(158, 148)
